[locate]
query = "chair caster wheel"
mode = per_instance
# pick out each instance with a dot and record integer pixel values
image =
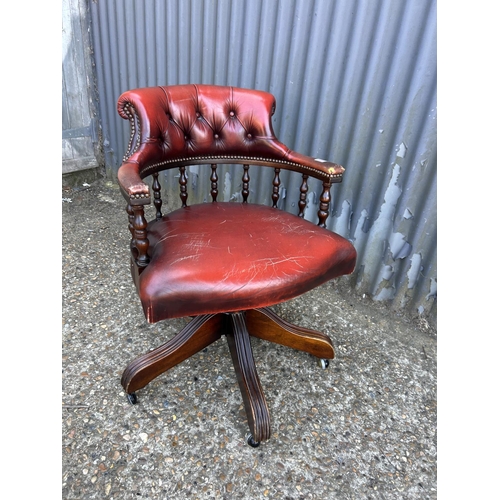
(132, 398)
(323, 363)
(251, 442)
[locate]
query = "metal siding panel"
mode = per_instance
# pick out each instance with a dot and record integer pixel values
(355, 83)
(209, 41)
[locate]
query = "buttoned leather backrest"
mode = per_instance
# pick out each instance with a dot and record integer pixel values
(182, 121)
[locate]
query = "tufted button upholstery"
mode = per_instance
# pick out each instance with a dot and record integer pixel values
(183, 121)
(187, 119)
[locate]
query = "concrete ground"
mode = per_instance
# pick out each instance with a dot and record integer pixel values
(365, 428)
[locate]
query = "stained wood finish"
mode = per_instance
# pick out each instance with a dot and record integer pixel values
(214, 180)
(131, 216)
(157, 196)
(238, 328)
(183, 185)
(324, 204)
(139, 243)
(256, 408)
(197, 334)
(245, 182)
(267, 325)
(276, 187)
(303, 196)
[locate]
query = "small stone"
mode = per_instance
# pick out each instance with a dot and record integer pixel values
(143, 436)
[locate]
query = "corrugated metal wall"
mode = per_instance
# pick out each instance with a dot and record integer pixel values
(355, 83)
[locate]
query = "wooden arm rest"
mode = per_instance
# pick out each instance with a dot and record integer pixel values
(332, 170)
(134, 190)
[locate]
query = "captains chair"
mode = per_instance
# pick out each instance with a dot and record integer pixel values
(223, 264)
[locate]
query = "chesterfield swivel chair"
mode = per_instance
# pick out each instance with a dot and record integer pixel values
(224, 264)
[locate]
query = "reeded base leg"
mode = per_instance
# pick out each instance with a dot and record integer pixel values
(256, 408)
(238, 328)
(267, 325)
(194, 337)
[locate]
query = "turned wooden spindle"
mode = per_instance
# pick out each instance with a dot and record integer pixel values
(130, 219)
(303, 195)
(276, 187)
(140, 240)
(157, 196)
(183, 184)
(214, 179)
(324, 203)
(245, 182)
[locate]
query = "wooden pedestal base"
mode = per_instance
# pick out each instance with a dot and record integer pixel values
(238, 327)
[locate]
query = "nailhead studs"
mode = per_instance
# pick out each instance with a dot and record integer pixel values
(234, 157)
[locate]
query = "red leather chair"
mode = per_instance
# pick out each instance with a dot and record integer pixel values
(222, 263)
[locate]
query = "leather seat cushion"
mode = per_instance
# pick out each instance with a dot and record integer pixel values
(222, 257)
